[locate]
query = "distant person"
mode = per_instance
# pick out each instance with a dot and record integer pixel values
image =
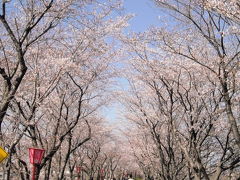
(130, 177)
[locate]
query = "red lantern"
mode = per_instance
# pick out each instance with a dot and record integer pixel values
(78, 169)
(102, 174)
(35, 155)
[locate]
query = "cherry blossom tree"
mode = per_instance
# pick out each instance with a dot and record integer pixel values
(212, 29)
(229, 8)
(23, 24)
(181, 104)
(63, 77)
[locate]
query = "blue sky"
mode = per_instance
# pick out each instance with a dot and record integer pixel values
(146, 14)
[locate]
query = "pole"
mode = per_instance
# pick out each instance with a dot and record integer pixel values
(79, 175)
(33, 172)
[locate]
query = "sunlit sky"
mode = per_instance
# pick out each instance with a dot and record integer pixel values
(145, 15)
